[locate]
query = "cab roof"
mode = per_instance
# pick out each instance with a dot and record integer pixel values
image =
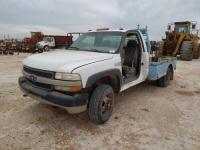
(113, 30)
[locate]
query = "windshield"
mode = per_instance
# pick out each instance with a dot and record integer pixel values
(105, 42)
(46, 39)
(181, 28)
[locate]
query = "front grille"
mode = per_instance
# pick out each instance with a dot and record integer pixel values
(40, 73)
(43, 86)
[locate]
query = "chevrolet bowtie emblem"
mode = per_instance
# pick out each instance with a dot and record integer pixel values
(32, 78)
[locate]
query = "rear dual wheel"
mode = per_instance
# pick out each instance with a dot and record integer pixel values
(40, 50)
(165, 80)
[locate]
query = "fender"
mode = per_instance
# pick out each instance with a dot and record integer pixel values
(91, 79)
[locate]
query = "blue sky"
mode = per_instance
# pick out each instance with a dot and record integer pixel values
(19, 17)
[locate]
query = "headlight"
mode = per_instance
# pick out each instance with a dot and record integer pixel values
(71, 78)
(67, 76)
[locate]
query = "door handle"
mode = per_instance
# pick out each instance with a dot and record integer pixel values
(142, 63)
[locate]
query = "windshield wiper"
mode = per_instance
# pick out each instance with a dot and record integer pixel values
(95, 50)
(73, 47)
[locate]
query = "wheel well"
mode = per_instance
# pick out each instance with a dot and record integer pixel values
(171, 67)
(111, 80)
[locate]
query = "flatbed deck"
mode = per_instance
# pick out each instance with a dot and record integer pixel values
(159, 69)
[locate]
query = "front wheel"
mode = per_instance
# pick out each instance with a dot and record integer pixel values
(101, 104)
(46, 48)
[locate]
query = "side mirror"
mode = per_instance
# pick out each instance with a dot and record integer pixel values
(194, 26)
(168, 27)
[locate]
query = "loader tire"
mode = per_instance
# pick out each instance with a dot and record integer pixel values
(161, 48)
(196, 56)
(186, 51)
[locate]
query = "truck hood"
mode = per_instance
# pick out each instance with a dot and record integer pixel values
(64, 60)
(42, 43)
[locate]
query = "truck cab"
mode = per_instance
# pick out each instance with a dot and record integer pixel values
(88, 74)
(128, 49)
(46, 43)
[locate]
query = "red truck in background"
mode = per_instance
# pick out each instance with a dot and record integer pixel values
(53, 41)
(37, 39)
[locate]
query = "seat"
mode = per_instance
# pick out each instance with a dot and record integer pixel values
(130, 65)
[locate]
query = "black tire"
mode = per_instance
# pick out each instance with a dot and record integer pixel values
(46, 48)
(33, 51)
(154, 82)
(11, 53)
(40, 50)
(5, 52)
(101, 104)
(165, 80)
(195, 56)
(161, 48)
(186, 51)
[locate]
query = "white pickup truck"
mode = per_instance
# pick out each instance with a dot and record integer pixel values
(87, 74)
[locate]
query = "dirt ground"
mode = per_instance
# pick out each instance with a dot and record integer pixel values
(144, 117)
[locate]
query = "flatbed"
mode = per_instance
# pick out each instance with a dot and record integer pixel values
(158, 69)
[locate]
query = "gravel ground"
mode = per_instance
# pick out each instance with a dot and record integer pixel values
(144, 117)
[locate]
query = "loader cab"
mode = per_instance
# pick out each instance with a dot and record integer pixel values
(182, 27)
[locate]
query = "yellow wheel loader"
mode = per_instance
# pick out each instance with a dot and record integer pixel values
(183, 40)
